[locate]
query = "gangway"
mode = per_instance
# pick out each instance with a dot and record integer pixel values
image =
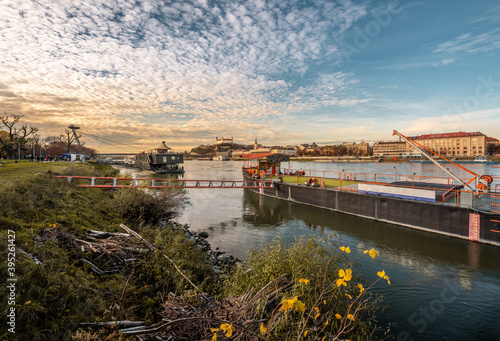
(110, 182)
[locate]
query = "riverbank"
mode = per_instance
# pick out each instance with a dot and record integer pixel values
(75, 263)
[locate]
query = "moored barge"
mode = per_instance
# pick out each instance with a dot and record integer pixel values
(160, 160)
(446, 208)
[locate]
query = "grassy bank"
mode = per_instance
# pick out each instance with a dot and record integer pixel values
(68, 272)
(49, 217)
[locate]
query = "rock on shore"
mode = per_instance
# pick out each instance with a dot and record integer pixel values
(219, 260)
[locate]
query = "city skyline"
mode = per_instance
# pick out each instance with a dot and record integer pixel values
(286, 73)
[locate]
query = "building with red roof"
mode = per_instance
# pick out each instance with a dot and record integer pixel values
(455, 144)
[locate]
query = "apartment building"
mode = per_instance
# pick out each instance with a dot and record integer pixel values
(455, 144)
(389, 148)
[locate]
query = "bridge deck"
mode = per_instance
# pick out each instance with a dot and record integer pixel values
(109, 182)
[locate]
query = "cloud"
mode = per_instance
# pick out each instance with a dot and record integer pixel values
(128, 64)
(484, 121)
(470, 43)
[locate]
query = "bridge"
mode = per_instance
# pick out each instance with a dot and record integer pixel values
(110, 182)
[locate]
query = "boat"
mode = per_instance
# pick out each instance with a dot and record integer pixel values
(450, 208)
(129, 161)
(477, 160)
(161, 160)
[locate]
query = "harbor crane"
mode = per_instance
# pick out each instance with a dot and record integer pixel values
(483, 183)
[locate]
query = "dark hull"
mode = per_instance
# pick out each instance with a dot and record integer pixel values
(448, 220)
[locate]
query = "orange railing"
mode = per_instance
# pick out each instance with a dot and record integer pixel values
(366, 177)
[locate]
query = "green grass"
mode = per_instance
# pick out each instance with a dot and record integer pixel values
(52, 298)
(11, 171)
(329, 183)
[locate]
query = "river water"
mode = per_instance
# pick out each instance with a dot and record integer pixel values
(442, 288)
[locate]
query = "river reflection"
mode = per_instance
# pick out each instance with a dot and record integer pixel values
(442, 288)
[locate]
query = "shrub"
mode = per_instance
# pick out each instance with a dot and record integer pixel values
(144, 207)
(316, 292)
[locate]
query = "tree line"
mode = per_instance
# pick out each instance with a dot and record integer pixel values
(20, 140)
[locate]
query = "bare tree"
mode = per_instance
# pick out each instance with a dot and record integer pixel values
(68, 139)
(17, 136)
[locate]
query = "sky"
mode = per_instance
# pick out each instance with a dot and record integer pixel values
(134, 73)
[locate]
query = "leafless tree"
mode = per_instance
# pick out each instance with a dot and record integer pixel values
(68, 139)
(17, 135)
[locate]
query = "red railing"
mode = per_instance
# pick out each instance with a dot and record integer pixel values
(104, 182)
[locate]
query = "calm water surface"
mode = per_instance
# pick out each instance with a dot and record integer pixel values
(442, 288)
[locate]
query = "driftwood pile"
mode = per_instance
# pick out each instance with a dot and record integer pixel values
(109, 253)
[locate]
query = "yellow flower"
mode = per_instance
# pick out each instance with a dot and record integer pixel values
(303, 280)
(349, 296)
(288, 304)
(350, 317)
(338, 317)
(305, 333)
(373, 253)
(263, 328)
(345, 276)
(324, 302)
(382, 274)
(317, 313)
(361, 289)
(226, 327)
(323, 339)
(346, 249)
(326, 323)
(214, 337)
(27, 302)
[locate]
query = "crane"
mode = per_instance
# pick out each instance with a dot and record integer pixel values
(482, 182)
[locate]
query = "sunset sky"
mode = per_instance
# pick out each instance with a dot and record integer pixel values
(286, 72)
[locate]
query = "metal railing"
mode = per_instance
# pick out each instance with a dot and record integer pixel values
(110, 182)
(456, 197)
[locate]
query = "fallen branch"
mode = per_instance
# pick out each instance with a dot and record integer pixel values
(96, 269)
(112, 324)
(88, 243)
(29, 255)
(185, 320)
